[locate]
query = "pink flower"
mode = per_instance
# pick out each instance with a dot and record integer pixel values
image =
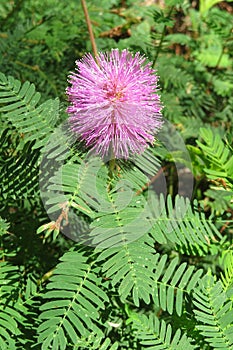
(114, 107)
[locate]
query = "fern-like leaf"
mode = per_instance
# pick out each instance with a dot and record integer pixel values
(83, 186)
(73, 301)
(19, 103)
(220, 156)
(76, 190)
(95, 342)
(131, 269)
(214, 313)
(145, 274)
(227, 277)
(181, 226)
(10, 317)
(19, 170)
(172, 283)
(154, 334)
(26, 127)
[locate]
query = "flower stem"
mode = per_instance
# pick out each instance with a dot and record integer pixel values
(111, 170)
(112, 165)
(89, 26)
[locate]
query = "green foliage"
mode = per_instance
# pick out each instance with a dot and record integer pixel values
(214, 314)
(9, 315)
(205, 5)
(227, 276)
(72, 305)
(17, 303)
(26, 126)
(104, 260)
(215, 158)
(220, 158)
(19, 104)
(180, 225)
(155, 335)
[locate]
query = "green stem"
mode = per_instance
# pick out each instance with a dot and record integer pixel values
(112, 171)
(112, 165)
(162, 39)
(171, 181)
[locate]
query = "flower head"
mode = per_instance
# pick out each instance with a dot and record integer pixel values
(114, 103)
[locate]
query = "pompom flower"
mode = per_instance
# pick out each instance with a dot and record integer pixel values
(114, 107)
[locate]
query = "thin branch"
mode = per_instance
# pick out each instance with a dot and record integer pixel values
(89, 26)
(15, 10)
(162, 38)
(153, 179)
